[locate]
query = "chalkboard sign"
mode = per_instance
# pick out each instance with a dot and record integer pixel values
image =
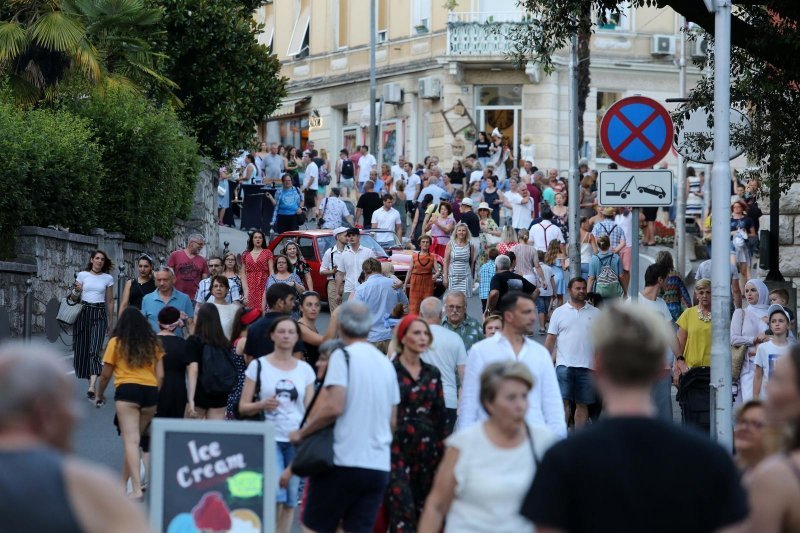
(212, 476)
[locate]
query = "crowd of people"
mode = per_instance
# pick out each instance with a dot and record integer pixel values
(444, 417)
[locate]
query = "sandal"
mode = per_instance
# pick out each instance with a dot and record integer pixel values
(90, 394)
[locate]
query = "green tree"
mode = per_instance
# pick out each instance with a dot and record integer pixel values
(228, 81)
(45, 44)
(151, 163)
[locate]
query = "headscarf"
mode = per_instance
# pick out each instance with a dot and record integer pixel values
(403, 326)
(760, 308)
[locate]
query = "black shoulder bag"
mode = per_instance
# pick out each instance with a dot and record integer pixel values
(259, 416)
(314, 454)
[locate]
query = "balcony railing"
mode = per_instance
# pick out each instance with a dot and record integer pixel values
(481, 34)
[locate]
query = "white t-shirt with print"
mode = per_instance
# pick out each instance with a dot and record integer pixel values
(94, 286)
(766, 355)
(289, 387)
(362, 436)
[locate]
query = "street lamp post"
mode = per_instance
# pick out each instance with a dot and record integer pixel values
(721, 388)
(373, 84)
(680, 201)
(573, 182)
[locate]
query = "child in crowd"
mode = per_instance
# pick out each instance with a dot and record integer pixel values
(769, 351)
(485, 275)
(781, 297)
(546, 292)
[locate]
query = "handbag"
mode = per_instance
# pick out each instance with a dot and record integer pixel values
(321, 221)
(314, 454)
(68, 311)
(259, 416)
(221, 190)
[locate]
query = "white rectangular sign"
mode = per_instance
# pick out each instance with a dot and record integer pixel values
(635, 188)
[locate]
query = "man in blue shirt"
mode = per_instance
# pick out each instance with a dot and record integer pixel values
(378, 293)
(167, 295)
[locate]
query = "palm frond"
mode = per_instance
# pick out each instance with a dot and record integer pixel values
(88, 60)
(58, 31)
(13, 40)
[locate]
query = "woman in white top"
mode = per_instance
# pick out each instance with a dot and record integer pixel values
(95, 288)
(488, 468)
(286, 386)
(220, 287)
(748, 327)
(588, 247)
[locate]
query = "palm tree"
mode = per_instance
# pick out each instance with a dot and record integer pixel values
(45, 44)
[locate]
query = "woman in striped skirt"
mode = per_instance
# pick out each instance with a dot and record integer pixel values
(459, 262)
(95, 288)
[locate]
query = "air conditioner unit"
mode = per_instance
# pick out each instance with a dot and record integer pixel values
(430, 88)
(392, 93)
(699, 47)
(662, 45)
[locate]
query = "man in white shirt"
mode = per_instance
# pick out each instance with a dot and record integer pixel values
(412, 186)
(571, 325)
(360, 396)
(544, 400)
(623, 219)
(398, 172)
(352, 263)
(704, 272)
(366, 164)
(434, 190)
(477, 172)
(310, 180)
(654, 278)
(447, 353)
(388, 218)
(519, 200)
(544, 232)
(330, 266)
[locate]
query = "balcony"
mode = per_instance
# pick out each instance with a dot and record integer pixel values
(481, 34)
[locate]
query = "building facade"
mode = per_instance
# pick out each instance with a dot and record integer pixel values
(443, 76)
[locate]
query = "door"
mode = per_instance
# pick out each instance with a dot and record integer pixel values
(506, 120)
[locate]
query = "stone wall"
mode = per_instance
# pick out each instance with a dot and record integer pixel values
(51, 258)
(788, 233)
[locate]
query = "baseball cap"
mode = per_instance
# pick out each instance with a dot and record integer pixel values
(780, 309)
(467, 201)
(338, 231)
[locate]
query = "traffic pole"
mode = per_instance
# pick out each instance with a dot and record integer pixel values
(680, 201)
(721, 388)
(373, 84)
(633, 282)
(574, 179)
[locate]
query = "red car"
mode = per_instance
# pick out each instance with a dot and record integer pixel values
(314, 242)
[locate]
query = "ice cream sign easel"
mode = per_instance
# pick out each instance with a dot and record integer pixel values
(212, 477)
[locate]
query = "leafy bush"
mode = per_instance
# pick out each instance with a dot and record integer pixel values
(50, 169)
(152, 163)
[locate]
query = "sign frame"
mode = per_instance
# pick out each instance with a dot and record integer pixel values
(636, 132)
(624, 179)
(701, 116)
(159, 429)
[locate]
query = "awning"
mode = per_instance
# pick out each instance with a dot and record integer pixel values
(289, 106)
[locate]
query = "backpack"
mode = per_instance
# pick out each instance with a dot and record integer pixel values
(218, 374)
(348, 169)
(608, 285)
(324, 176)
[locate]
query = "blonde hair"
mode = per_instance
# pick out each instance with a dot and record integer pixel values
(455, 232)
(523, 235)
(494, 374)
(387, 269)
(553, 251)
(702, 284)
(508, 235)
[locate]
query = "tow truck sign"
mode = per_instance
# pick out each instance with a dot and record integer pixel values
(635, 188)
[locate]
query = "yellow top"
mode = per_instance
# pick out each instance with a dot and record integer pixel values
(123, 373)
(698, 341)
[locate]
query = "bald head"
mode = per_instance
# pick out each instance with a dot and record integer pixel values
(36, 394)
(431, 310)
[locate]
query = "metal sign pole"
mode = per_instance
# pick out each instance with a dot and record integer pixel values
(373, 84)
(722, 431)
(680, 201)
(633, 282)
(573, 181)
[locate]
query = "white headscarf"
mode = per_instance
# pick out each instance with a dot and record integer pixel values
(760, 308)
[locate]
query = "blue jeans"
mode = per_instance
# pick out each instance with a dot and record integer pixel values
(284, 455)
(662, 397)
(576, 384)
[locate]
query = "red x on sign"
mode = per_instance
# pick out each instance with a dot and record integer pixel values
(636, 132)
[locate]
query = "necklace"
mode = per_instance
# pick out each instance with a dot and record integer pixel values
(705, 317)
(426, 263)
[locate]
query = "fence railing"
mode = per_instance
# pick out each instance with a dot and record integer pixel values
(481, 34)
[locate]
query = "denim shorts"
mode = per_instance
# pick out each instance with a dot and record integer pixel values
(576, 384)
(284, 453)
(543, 304)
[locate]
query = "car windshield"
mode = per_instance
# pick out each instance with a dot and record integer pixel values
(326, 241)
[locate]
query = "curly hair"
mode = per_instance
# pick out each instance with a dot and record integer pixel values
(137, 342)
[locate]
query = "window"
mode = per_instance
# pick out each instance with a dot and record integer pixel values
(383, 19)
(604, 101)
(267, 18)
(421, 16)
(307, 248)
(342, 38)
(300, 32)
(617, 19)
(502, 95)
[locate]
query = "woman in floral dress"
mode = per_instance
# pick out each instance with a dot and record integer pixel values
(419, 436)
(257, 261)
(420, 276)
(299, 265)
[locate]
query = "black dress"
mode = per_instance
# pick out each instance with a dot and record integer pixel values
(202, 398)
(172, 396)
(139, 291)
